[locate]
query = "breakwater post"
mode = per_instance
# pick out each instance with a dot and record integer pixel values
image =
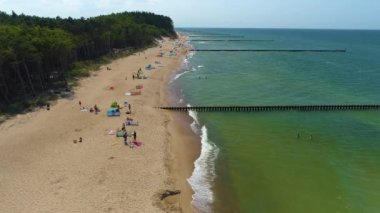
(339, 107)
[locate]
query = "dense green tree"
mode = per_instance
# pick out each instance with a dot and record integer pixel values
(36, 52)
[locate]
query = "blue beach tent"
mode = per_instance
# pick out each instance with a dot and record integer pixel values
(111, 112)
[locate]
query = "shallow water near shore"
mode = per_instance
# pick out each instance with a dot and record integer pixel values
(255, 162)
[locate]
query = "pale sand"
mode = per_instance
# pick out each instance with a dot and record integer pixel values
(42, 170)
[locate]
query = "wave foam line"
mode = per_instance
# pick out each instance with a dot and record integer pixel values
(195, 125)
(185, 66)
(203, 176)
(179, 75)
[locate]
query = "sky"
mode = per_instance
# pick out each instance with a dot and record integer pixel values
(325, 14)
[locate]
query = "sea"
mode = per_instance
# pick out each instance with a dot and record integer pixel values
(288, 161)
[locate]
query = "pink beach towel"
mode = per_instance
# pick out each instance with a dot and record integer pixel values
(137, 143)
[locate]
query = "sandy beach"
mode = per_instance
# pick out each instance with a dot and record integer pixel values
(43, 170)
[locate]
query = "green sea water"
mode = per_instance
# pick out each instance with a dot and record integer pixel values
(285, 161)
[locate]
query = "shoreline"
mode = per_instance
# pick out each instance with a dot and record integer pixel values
(44, 170)
(184, 144)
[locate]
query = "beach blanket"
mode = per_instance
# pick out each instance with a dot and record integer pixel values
(84, 110)
(111, 132)
(120, 134)
(136, 92)
(129, 133)
(150, 67)
(137, 143)
(131, 123)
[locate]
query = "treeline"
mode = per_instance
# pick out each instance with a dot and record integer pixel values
(38, 53)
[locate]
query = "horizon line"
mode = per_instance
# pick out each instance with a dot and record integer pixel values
(280, 28)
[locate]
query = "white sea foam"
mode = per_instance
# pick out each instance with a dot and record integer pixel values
(185, 66)
(179, 75)
(190, 55)
(200, 66)
(204, 172)
(193, 69)
(186, 61)
(195, 124)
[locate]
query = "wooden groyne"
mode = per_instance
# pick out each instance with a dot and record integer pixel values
(237, 40)
(261, 50)
(275, 108)
(207, 36)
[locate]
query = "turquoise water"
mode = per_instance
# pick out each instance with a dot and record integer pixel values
(254, 162)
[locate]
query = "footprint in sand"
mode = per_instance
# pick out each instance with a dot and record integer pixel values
(57, 185)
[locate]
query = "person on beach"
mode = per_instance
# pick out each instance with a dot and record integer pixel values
(125, 139)
(96, 109)
(129, 108)
(133, 77)
(47, 107)
(134, 135)
(80, 104)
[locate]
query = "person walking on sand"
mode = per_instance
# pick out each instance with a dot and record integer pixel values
(125, 139)
(134, 135)
(129, 107)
